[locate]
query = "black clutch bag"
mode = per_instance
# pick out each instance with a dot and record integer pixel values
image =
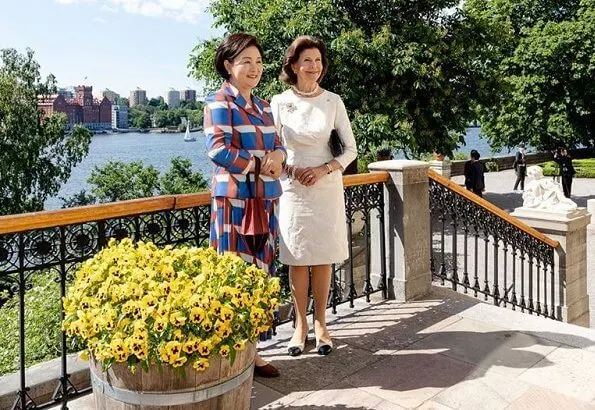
(335, 144)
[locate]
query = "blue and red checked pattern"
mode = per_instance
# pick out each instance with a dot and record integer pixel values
(235, 133)
(226, 219)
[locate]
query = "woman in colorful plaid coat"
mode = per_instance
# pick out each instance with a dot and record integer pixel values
(240, 132)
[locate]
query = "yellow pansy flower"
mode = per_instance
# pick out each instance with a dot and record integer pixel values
(224, 351)
(200, 365)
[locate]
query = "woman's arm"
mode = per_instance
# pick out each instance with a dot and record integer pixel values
(343, 127)
(218, 129)
(274, 160)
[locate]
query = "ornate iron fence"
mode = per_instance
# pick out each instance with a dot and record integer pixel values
(54, 243)
(501, 258)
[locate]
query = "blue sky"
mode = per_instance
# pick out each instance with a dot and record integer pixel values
(116, 44)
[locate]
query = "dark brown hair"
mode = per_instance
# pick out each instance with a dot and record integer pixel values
(292, 55)
(229, 49)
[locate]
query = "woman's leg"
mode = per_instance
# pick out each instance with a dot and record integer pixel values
(321, 283)
(299, 280)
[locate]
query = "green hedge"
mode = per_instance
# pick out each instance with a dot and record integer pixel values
(585, 168)
(42, 324)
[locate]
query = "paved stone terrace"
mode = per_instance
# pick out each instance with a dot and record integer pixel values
(445, 352)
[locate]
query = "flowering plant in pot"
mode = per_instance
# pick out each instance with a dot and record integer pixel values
(139, 305)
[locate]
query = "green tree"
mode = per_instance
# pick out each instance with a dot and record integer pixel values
(158, 103)
(81, 198)
(139, 118)
(122, 101)
(402, 66)
(539, 56)
(196, 117)
(181, 180)
(119, 181)
(188, 104)
(36, 154)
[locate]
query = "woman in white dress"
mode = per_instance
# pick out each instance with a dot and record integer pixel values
(312, 225)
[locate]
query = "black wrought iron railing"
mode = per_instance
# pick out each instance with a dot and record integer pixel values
(53, 244)
(482, 250)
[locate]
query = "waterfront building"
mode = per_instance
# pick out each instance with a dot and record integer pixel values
(83, 109)
(188, 95)
(138, 97)
(67, 92)
(119, 117)
(173, 98)
(110, 95)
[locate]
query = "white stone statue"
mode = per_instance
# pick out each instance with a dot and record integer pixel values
(544, 193)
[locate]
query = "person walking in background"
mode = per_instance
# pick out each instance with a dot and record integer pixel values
(567, 170)
(520, 167)
(248, 156)
(476, 175)
(468, 168)
(312, 227)
(384, 154)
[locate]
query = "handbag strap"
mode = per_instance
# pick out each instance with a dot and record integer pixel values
(256, 177)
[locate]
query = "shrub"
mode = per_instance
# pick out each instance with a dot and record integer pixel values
(585, 168)
(492, 166)
(42, 324)
(460, 156)
(363, 160)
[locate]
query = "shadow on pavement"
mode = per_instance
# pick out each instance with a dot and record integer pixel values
(391, 350)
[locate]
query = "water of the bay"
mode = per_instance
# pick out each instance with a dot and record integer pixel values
(158, 149)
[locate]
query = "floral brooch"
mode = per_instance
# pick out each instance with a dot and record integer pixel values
(290, 107)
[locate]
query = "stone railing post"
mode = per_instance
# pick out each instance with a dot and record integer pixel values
(570, 230)
(407, 229)
(591, 261)
(442, 167)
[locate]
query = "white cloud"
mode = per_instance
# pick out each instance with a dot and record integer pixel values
(109, 9)
(99, 20)
(74, 1)
(180, 10)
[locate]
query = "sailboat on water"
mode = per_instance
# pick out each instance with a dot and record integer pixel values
(187, 136)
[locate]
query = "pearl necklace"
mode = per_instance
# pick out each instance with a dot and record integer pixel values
(304, 94)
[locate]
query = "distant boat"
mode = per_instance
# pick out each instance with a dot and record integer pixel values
(187, 136)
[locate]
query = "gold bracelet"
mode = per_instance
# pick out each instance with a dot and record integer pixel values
(330, 169)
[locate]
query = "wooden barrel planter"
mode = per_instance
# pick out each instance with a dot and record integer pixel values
(221, 386)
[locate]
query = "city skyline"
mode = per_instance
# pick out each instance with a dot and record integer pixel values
(120, 45)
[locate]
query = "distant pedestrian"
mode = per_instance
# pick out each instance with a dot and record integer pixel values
(467, 170)
(567, 170)
(520, 167)
(476, 182)
(384, 154)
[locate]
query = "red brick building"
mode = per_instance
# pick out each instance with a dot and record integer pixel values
(83, 109)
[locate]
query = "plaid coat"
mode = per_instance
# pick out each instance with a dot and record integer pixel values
(235, 134)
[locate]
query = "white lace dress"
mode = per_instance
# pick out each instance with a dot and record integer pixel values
(312, 227)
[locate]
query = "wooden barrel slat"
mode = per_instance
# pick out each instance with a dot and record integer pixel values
(125, 384)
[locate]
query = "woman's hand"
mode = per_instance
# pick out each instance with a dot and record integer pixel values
(309, 176)
(272, 164)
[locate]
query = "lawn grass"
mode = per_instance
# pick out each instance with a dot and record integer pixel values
(585, 168)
